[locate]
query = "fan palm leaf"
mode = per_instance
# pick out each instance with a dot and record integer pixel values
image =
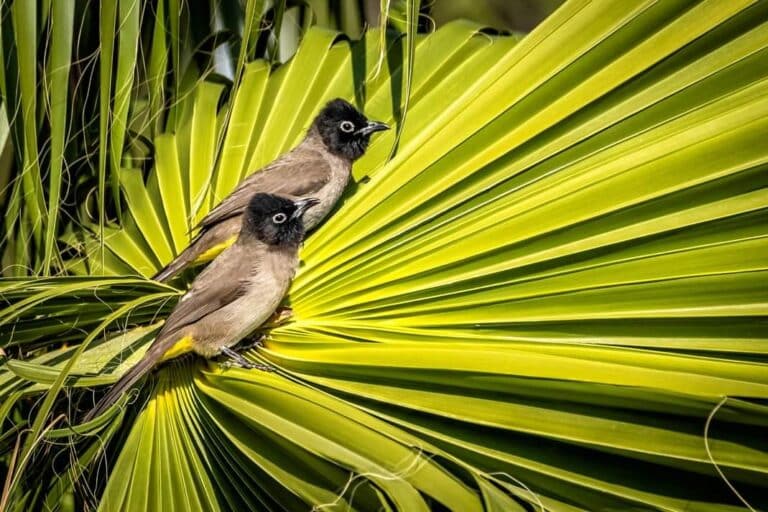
(553, 296)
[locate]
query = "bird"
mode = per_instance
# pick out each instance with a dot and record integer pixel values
(319, 166)
(232, 296)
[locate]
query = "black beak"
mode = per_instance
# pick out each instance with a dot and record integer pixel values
(302, 205)
(372, 127)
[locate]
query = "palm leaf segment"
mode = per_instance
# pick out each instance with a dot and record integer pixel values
(542, 298)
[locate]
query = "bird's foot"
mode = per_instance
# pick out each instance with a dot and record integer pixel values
(236, 359)
(253, 341)
(279, 317)
(284, 314)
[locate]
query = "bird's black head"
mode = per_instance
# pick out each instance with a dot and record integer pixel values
(345, 131)
(276, 220)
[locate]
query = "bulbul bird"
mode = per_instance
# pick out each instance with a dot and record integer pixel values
(234, 295)
(320, 167)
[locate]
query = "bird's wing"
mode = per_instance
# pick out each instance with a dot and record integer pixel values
(221, 283)
(295, 174)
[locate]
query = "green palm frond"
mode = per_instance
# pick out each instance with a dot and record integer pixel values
(88, 85)
(270, 112)
(552, 297)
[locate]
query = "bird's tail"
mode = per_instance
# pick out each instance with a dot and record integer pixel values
(179, 263)
(131, 377)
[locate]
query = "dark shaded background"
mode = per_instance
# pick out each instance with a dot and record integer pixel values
(517, 15)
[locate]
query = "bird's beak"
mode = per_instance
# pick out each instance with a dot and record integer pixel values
(371, 127)
(302, 205)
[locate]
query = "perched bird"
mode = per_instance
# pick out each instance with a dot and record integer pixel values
(320, 166)
(234, 295)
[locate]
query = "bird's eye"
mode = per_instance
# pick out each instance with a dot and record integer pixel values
(347, 126)
(279, 218)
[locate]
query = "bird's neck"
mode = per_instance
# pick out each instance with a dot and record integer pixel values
(314, 139)
(250, 238)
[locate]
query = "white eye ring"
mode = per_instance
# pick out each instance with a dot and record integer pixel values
(279, 218)
(347, 126)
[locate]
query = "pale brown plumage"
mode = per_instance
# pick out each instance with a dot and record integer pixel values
(234, 295)
(320, 167)
(304, 171)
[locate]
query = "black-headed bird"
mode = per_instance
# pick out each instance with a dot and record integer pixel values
(320, 167)
(234, 295)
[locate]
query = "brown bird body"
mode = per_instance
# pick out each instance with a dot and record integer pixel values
(320, 167)
(264, 274)
(235, 294)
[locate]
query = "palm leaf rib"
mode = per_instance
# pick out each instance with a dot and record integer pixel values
(539, 302)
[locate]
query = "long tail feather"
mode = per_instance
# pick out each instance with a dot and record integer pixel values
(178, 264)
(127, 381)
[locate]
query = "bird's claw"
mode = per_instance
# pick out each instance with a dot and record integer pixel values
(262, 367)
(279, 317)
(247, 365)
(237, 360)
(284, 314)
(253, 341)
